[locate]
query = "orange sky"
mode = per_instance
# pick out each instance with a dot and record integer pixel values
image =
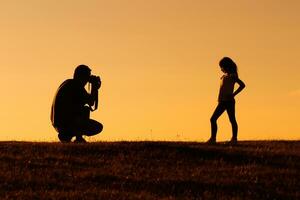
(158, 61)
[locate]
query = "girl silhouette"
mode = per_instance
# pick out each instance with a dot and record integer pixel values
(226, 99)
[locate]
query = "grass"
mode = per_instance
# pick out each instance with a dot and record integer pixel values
(150, 170)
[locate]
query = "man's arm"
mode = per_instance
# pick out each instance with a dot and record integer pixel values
(93, 96)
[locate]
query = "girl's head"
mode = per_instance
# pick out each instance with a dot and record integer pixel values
(228, 66)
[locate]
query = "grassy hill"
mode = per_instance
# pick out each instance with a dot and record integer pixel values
(150, 170)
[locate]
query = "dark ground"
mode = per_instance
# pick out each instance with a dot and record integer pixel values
(150, 170)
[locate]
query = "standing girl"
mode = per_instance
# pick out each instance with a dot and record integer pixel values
(226, 99)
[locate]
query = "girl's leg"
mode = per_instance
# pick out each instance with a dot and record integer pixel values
(230, 108)
(213, 120)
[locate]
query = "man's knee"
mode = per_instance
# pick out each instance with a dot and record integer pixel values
(99, 127)
(93, 128)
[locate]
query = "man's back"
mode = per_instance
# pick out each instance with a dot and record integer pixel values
(68, 103)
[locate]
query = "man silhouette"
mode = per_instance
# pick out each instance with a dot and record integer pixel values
(70, 113)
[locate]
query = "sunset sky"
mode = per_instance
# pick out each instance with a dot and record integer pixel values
(158, 60)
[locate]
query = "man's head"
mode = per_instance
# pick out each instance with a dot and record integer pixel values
(82, 74)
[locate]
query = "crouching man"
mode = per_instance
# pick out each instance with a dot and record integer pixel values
(70, 113)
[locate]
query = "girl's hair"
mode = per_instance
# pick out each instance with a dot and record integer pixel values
(228, 65)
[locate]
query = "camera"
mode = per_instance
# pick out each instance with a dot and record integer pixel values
(95, 81)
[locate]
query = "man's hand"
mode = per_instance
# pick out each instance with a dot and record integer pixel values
(97, 85)
(95, 81)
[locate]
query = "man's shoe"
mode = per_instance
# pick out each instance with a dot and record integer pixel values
(64, 138)
(79, 139)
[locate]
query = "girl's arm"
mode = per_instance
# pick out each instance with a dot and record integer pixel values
(241, 87)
